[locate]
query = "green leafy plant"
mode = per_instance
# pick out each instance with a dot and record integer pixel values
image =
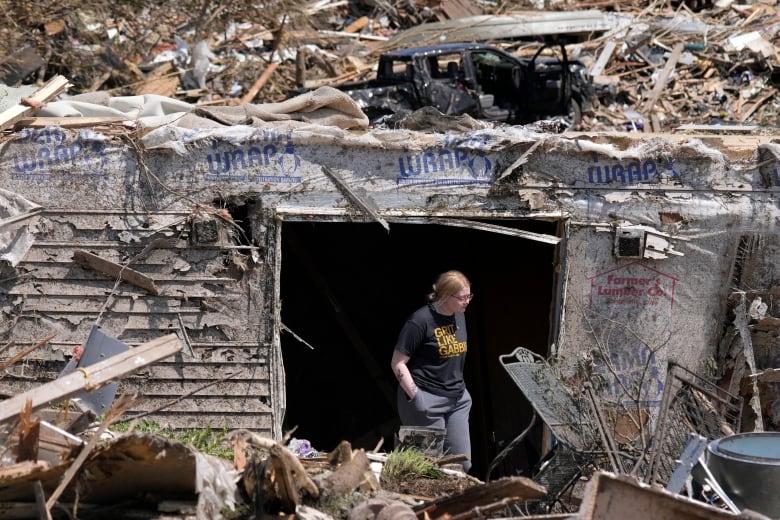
(405, 463)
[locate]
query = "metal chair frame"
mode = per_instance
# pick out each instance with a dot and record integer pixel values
(574, 424)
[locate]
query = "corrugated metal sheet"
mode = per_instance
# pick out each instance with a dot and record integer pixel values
(575, 25)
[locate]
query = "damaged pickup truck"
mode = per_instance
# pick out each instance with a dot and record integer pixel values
(482, 81)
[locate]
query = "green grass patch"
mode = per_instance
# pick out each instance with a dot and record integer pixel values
(205, 440)
(409, 463)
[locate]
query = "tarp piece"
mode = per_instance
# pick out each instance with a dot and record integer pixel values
(15, 237)
(325, 106)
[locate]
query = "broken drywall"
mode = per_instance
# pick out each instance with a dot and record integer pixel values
(16, 216)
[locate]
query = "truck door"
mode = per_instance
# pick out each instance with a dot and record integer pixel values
(500, 76)
(548, 82)
(448, 91)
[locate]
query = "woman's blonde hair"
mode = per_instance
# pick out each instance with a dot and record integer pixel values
(448, 284)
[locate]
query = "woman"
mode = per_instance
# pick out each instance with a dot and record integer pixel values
(428, 362)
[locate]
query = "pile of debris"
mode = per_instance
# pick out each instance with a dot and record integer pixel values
(59, 461)
(661, 66)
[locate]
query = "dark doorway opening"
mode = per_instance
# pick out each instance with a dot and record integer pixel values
(346, 289)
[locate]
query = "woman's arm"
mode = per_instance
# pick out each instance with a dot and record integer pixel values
(401, 371)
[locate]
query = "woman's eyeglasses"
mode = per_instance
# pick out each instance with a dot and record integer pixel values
(463, 299)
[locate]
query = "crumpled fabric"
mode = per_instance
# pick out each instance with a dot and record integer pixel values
(324, 106)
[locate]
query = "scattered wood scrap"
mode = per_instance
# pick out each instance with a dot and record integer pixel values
(659, 69)
(27, 105)
(478, 500)
(92, 377)
(114, 270)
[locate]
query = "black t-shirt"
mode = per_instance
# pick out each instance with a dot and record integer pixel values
(436, 345)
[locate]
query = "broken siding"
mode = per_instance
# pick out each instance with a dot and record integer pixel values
(201, 291)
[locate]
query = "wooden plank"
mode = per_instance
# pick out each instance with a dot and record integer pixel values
(163, 81)
(362, 201)
(70, 122)
(741, 325)
(94, 376)
(453, 9)
(663, 78)
(604, 56)
(358, 36)
(609, 496)
(499, 493)
(10, 473)
(754, 105)
(40, 501)
(358, 25)
(503, 230)
(122, 272)
(262, 80)
(51, 89)
(692, 127)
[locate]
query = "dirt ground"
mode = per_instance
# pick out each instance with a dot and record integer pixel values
(428, 488)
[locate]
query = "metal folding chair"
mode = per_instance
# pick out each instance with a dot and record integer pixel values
(578, 442)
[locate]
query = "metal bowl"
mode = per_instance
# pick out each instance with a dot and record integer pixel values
(747, 467)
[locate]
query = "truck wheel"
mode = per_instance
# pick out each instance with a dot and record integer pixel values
(573, 118)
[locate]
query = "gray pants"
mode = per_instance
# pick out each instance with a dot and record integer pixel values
(434, 411)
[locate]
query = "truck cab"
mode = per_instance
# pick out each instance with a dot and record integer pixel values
(476, 79)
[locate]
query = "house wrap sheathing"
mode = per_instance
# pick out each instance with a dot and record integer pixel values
(177, 228)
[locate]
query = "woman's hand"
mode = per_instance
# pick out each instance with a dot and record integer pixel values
(401, 371)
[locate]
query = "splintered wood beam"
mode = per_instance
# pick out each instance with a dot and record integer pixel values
(502, 230)
(114, 270)
(601, 62)
(363, 201)
(53, 88)
(20, 355)
(70, 122)
(262, 80)
(92, 377)
(666, 73)
(27, 469)
(504, 491)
